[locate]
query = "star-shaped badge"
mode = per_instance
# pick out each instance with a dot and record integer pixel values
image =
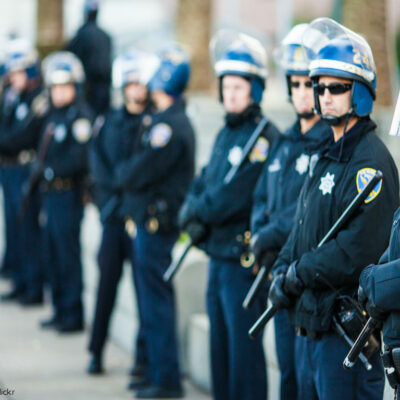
(327, 183)
(302, 163)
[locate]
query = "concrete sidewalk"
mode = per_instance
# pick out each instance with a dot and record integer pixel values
(43, 365)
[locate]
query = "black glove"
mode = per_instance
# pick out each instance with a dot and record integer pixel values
(277, 294)
(293, 284)
(186, 214)
(196, 230)
(373, 311)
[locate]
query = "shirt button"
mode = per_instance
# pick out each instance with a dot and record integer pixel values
(300, 222)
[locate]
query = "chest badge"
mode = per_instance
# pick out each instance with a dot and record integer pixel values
(22, 111)
(327, 183)
(235, 155)
(60, 133)
(275, 166)
(363, 177)
(302, 164)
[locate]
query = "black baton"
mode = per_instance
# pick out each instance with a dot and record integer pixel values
(347, 213)
(359, 344)
(173, 268)
(255, 288)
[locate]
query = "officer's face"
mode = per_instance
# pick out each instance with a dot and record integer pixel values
(302, 93)
(135, 93)
(235, 93)
(334, 104)
(18, 80)
(62, 95)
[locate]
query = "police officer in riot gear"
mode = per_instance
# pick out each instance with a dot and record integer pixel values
(113, 139)
(279, 185)
(93, 47)
(155, 181)
(378, 292)
(19, 128)
(310, 278)
(65, 134)
(237, 364)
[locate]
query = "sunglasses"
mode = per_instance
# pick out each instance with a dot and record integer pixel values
(296, 84)
(334, 88)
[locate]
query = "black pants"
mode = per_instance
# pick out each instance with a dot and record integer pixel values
(115, 248)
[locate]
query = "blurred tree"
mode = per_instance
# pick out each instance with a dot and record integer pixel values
(49, 19)
(369, 17)
(194, 30)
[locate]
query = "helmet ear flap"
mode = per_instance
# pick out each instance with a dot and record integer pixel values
(362, 99)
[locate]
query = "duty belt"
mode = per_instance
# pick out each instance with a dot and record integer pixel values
(23, 158)
(59, 184)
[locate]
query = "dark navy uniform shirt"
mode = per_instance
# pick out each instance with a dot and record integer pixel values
(382, 284)
(158, 173)
(110, 145)
(225, 208)
(67, 153)
(277, 190)
(20, 123)
(336, 176)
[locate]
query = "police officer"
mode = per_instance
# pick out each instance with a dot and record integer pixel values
(155, 180)
(93, 47)
(65, 134)
(344, 83)
(237, 364)
(19, 127)
(113, 139)
(379, 287)
(279, 185)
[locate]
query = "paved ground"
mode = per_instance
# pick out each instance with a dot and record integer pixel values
(42, 365)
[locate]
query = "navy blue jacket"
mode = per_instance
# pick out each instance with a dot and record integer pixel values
(277, 190)
(157, 176)
(382, 285)
(67, 153)
(225, 208)
(339, 171)
(19, 123)
(112, 144)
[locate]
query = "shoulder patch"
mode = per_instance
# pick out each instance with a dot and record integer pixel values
(82, 130)
(40, 104)
(364, 175)
(160, 135)
(260, 150)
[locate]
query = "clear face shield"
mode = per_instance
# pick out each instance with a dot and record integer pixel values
(232, 51)
(62, 68)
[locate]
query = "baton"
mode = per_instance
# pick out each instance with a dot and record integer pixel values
(347, 213)
(255, 287)
(173, 268)
(359, 344)
(343, 334)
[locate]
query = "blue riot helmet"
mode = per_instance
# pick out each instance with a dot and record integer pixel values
(173, 72)
(134, 66)
(290, 55)
(339, 52)
(235, 53)
(20, 55)
(62, 67)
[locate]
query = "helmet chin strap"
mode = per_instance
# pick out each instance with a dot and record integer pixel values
(333, 120)
(305, 115)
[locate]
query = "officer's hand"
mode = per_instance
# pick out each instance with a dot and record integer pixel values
(196, 230)
(277, 294)
(185, 215)
(366, 304)
(268, 258)
(293, 284)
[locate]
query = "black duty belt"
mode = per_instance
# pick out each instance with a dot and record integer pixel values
(23, 158)
(59, 184)
(314, 335)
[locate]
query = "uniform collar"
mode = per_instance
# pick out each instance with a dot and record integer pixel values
(342, 150)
